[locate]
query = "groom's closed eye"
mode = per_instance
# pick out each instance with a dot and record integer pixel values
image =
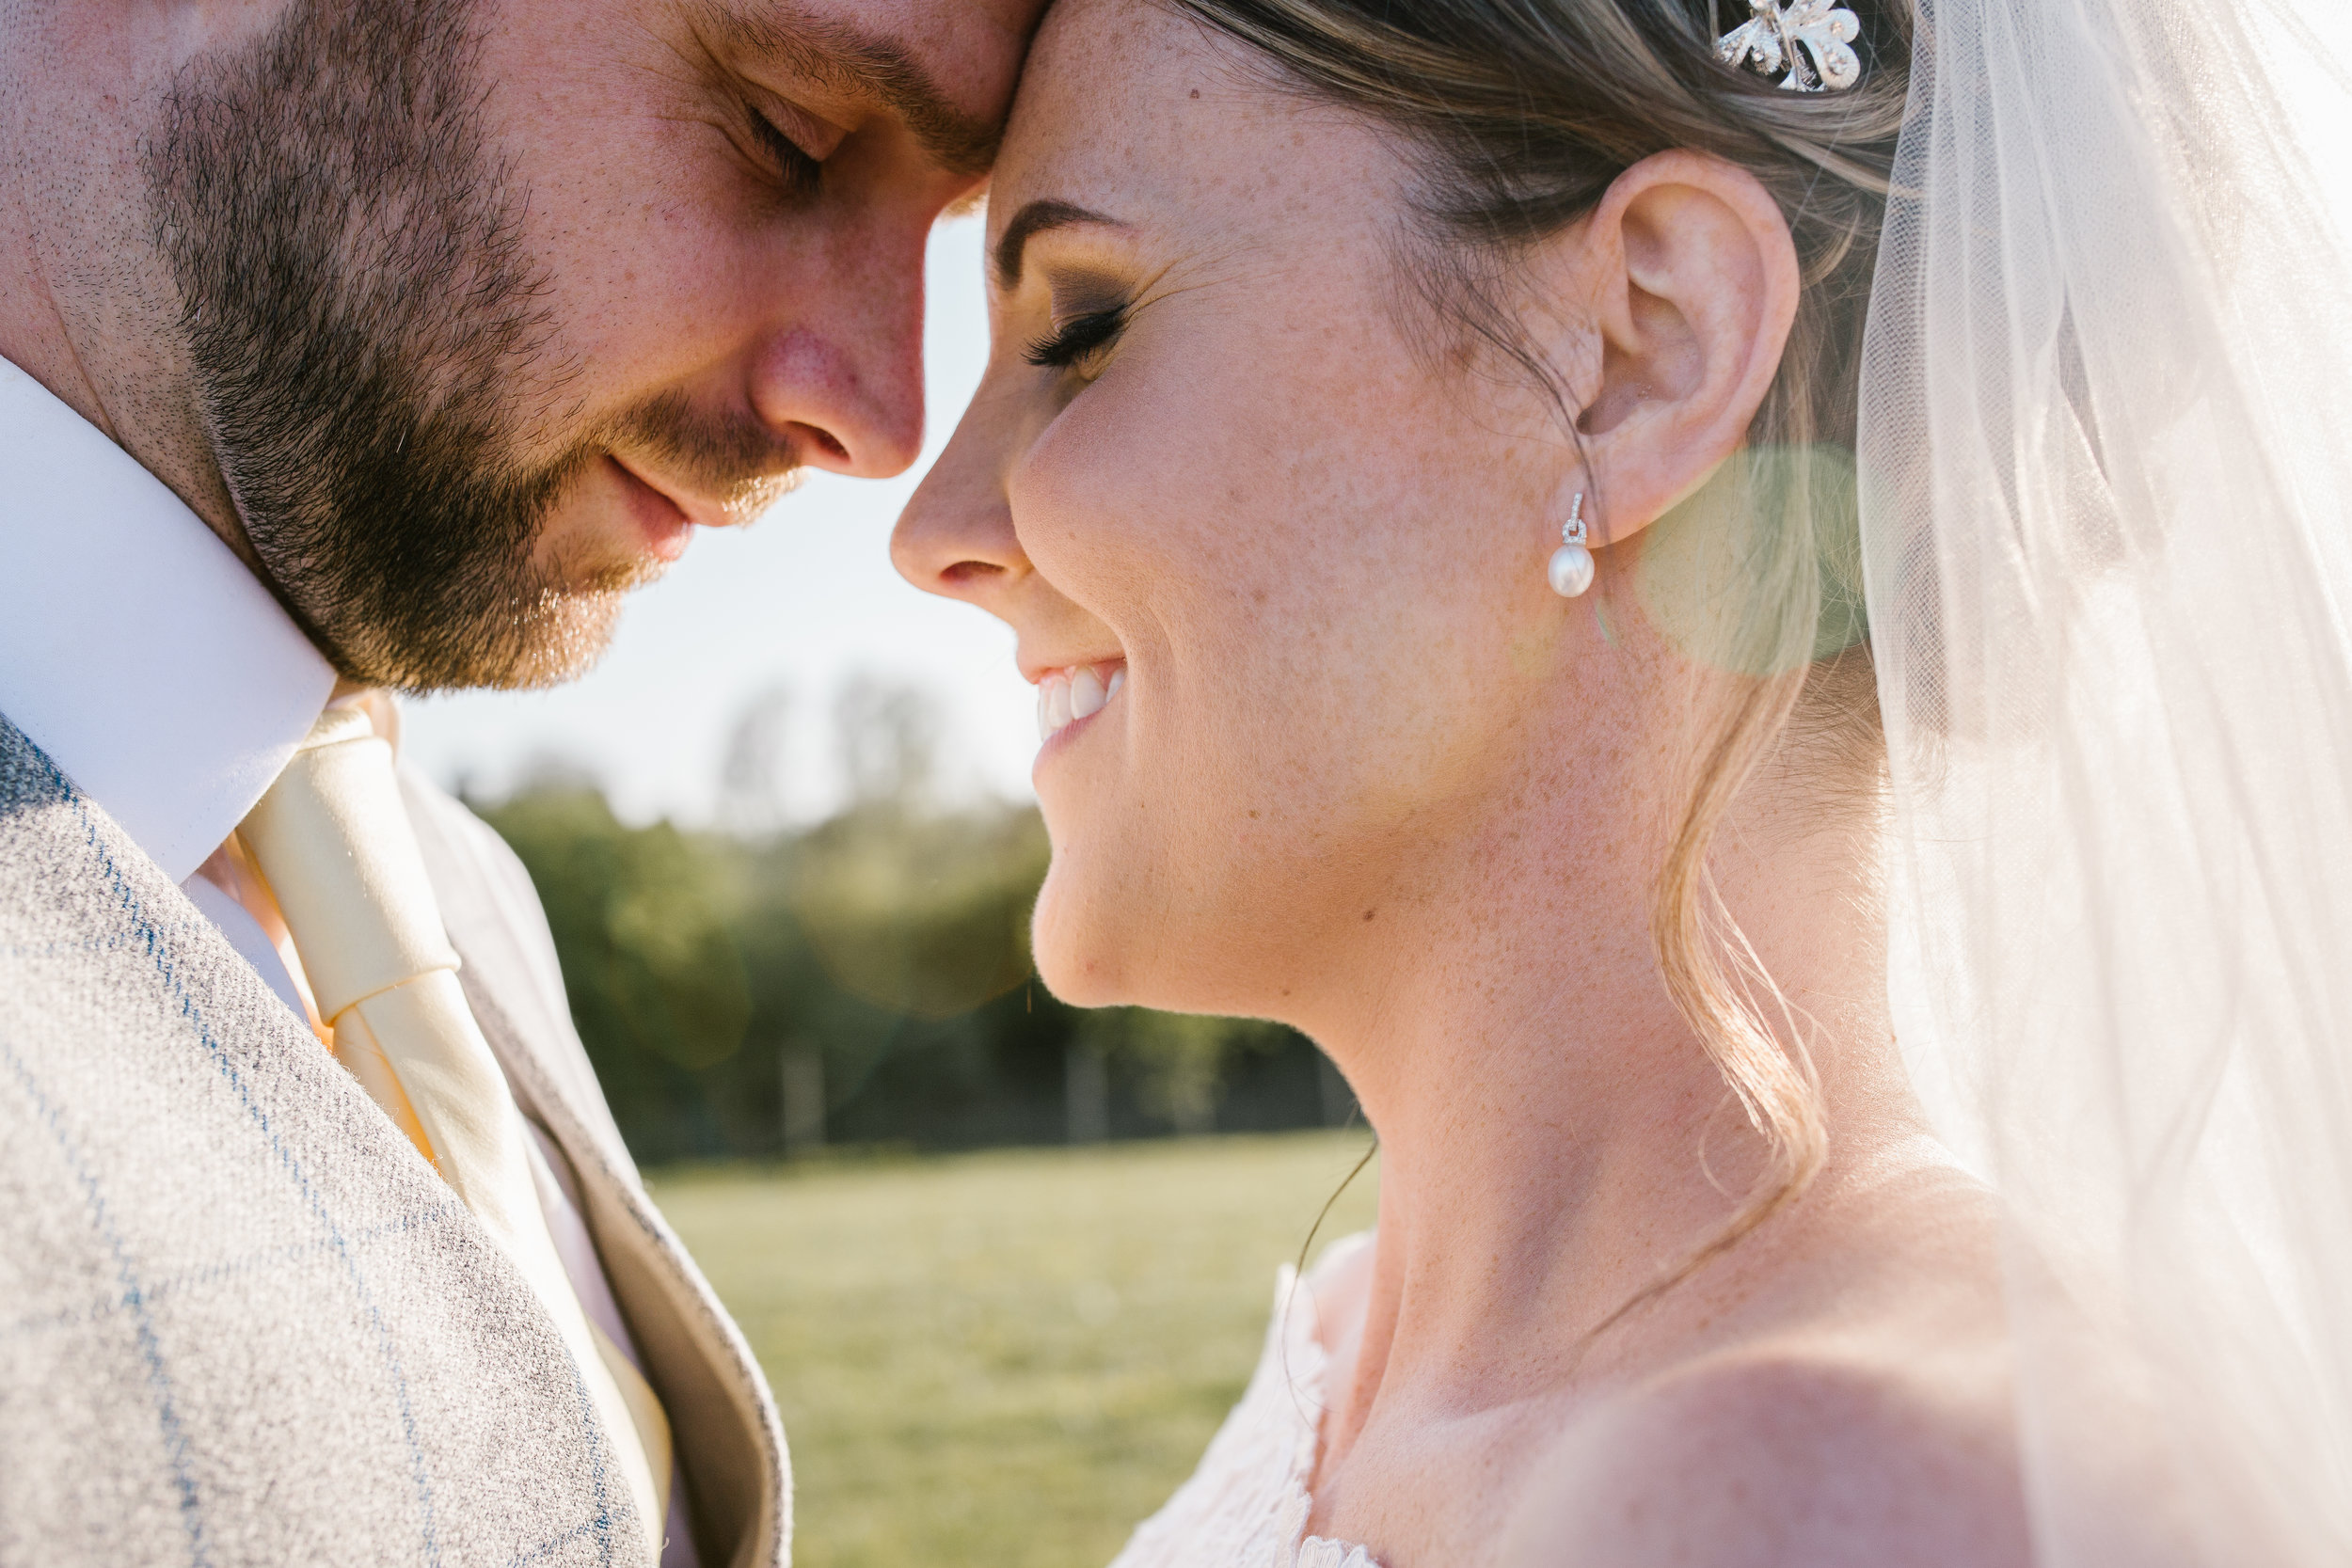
(799, 174)
(848, 69)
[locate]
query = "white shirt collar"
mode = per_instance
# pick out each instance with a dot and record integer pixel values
(136, 648)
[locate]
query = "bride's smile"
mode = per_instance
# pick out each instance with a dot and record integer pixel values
(1209, 451)
(1071, 694)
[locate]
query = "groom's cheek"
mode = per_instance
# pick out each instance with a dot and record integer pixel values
(633, 206)
(674, 266)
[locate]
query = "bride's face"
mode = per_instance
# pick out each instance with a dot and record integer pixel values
(1273, 547)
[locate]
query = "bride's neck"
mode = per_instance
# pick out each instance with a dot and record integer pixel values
(1552, 1130)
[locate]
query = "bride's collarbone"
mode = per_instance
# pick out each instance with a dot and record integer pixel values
(1773, 1458)
(1841, 1395)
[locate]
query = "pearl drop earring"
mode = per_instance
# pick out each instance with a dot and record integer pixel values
(1571, 568)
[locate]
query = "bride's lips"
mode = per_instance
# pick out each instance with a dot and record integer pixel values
(661, 522)
(1068, 695)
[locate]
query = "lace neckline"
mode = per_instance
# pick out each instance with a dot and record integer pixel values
(1246, 1506)
(1297, 1329)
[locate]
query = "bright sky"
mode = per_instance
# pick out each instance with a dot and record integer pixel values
(804, 598)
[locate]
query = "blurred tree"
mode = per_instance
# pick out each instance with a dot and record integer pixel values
(888, 736)
(921, 915)
(883, 953)
(1179, 1061)
(656, 981)
(752, 779)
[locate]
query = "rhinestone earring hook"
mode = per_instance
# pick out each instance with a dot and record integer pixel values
(1571, 568)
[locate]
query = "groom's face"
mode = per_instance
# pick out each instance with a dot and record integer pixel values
(490, 303)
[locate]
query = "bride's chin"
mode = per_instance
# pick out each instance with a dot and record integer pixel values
(1068, 952)
(1081, 945)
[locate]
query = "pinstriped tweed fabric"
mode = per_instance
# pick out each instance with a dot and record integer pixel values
(730, 1446)
(241, 1321)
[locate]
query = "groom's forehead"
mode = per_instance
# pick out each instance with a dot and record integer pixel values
(944, 68)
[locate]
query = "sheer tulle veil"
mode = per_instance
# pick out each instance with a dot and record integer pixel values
(2106, 511)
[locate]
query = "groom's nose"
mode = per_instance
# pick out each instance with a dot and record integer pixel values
(843, 383)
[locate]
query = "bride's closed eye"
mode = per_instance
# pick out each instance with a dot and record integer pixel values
(1080, 342)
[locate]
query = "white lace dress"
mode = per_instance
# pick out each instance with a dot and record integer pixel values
(1246, 1505)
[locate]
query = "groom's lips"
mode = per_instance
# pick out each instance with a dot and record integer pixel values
(665, 525)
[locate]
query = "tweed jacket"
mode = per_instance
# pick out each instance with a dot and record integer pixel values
(241, 1320)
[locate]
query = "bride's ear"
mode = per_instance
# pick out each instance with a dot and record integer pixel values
(1673, 299)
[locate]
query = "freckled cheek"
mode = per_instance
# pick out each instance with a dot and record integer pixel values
(648, 246)
(1258, 563)
(1103, 512)
(1117, 517)
(656, 293)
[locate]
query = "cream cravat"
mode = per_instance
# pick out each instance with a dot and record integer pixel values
(334, 842)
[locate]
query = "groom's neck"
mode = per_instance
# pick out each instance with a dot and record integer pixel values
(87, 308)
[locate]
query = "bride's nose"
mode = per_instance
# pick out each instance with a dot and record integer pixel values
(956, 536)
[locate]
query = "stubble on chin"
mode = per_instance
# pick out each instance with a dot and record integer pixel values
(379, 361)
(577, 609)
(369, 331)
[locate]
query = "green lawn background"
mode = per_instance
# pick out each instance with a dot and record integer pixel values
(1007, 1358)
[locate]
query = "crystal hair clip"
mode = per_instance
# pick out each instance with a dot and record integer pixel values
(1781, 37)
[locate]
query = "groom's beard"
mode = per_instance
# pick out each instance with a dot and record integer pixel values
(369, 337)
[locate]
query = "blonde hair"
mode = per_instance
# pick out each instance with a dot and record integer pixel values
(1518, 115)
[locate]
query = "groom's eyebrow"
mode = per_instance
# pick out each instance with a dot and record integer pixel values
(1038, 217)
(860, 63)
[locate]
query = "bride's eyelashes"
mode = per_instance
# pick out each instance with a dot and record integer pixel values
(1080, 342)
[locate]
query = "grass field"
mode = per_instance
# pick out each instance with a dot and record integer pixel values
(1007, 1359)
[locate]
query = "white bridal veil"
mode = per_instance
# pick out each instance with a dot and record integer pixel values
(2106, 460)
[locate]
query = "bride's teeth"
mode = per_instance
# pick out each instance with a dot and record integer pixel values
(1066, 696)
